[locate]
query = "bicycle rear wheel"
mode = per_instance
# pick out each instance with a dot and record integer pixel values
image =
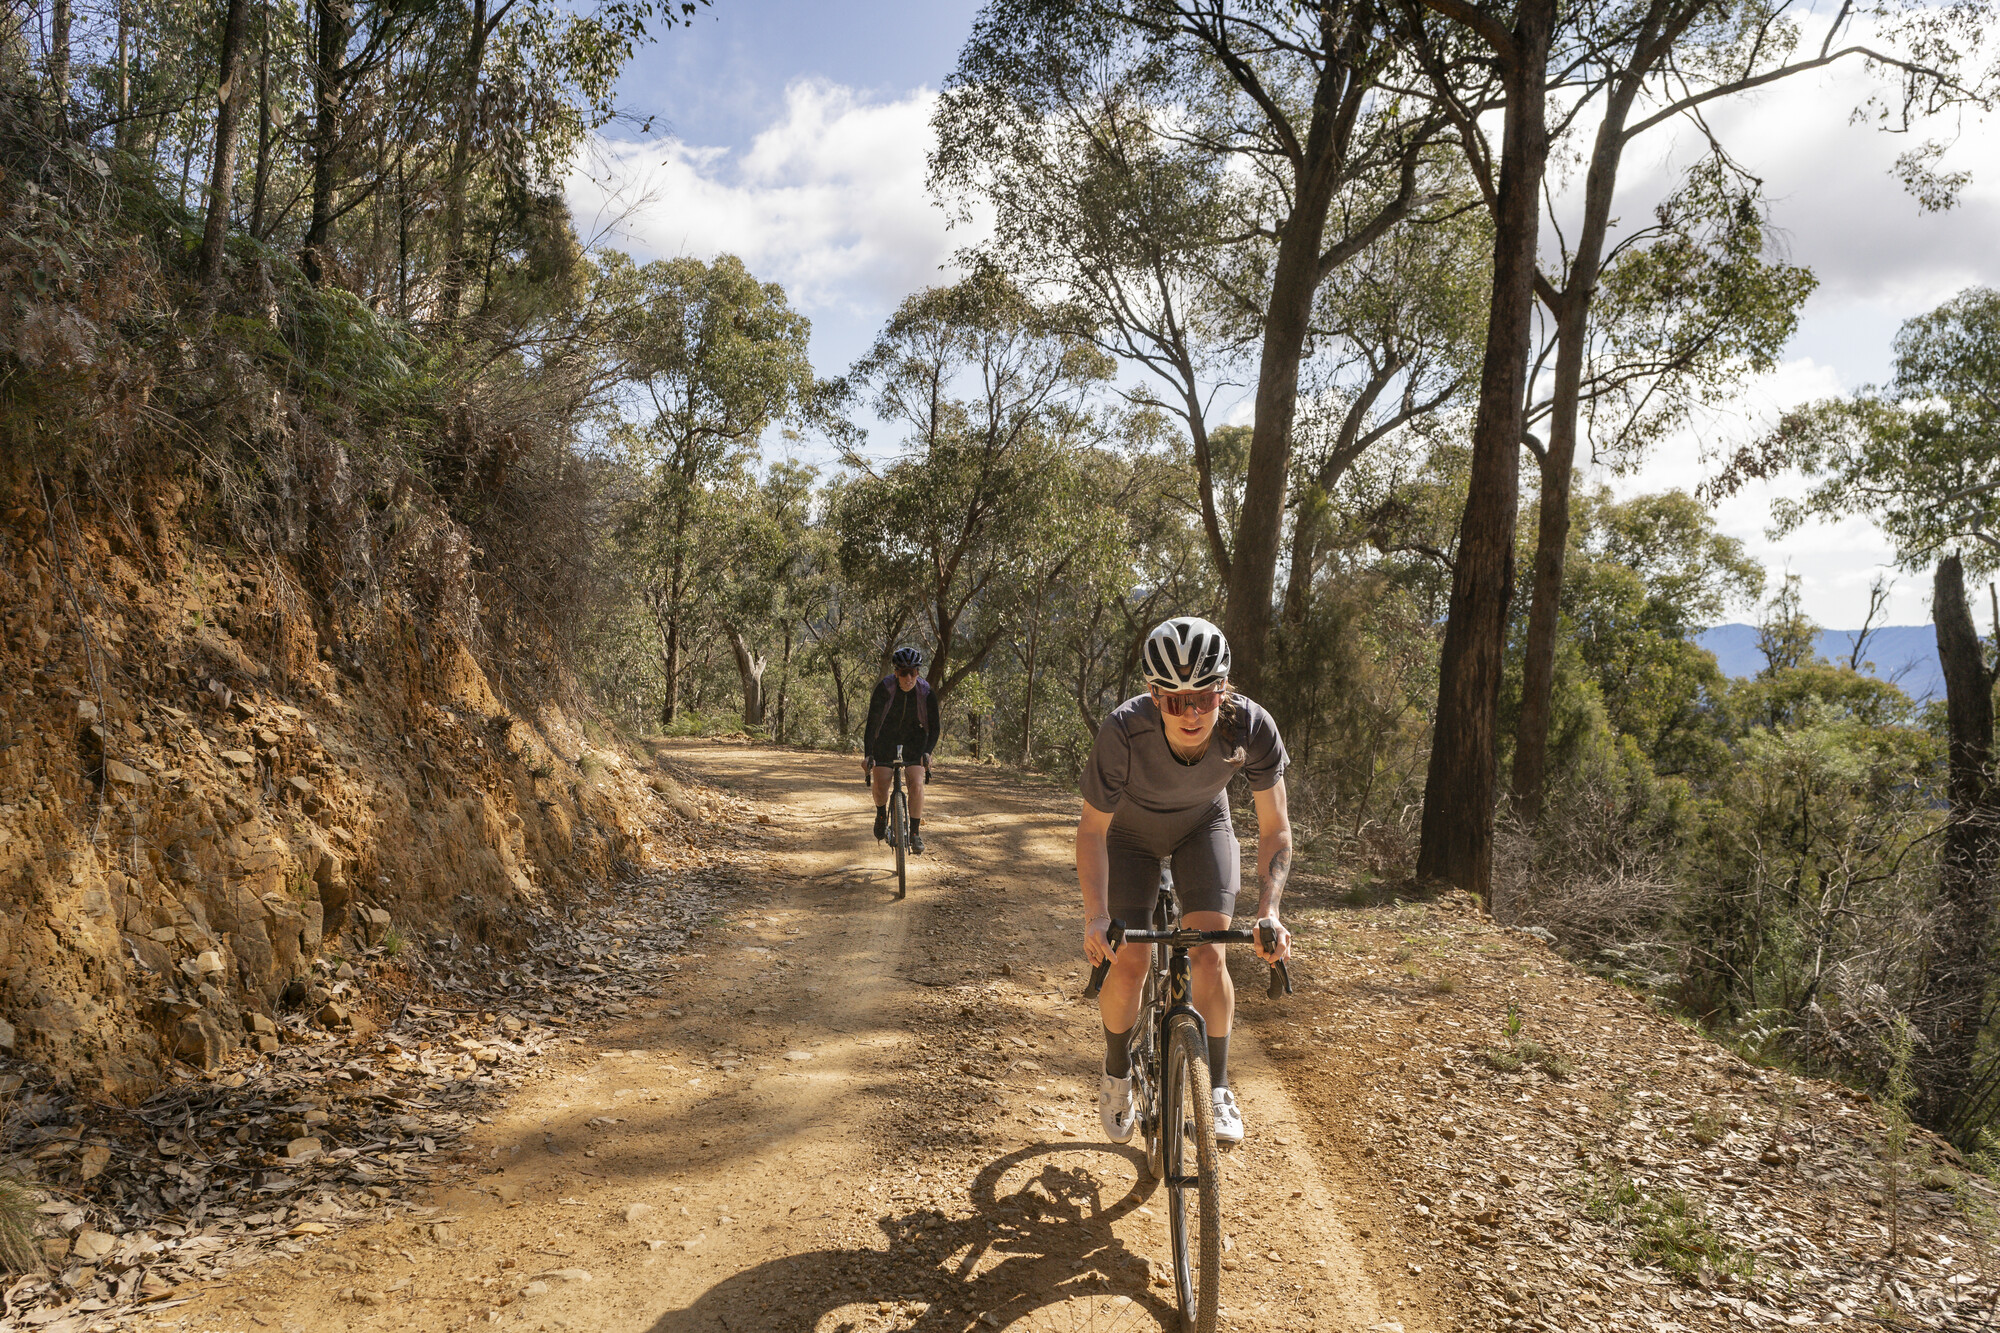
(899, 833)
(1194, 1191)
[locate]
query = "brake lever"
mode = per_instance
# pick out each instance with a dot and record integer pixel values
(1115, 936)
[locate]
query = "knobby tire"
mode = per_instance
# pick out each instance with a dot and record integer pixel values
(1194, 1194)
(899, 833)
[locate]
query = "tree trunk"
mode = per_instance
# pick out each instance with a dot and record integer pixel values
(1531, 734)
(972, 732)
(222, 174)
(1957, 964)
(59, 24)
(259, 190)
(328, 91)
(121, 133)
(451, 291)
(1028, 704)
(750, 669)
(1253, 555)
(839, 692)
(784, 686)
(1457, 833)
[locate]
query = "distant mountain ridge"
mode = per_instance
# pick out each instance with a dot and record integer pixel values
(1905, 654)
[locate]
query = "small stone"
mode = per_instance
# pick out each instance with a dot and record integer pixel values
(55, 1251)
(535, 1289)
(311, 1229)
(300, 785)
(265, 1042)
(131, 777)
(331, 1015)
(6, 1035)
(798, 1055)
(208, 962)
(267, 736)
(636, 1211)
(86, 711)
(239, 756)
(258, 1023)
(363, 1296)
(304, 1148)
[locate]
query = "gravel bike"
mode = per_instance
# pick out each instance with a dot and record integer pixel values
(1170, 1095)
(899, 817)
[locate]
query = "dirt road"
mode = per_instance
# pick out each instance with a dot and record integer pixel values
(849, 1113)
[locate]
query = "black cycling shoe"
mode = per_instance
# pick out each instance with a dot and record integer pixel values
(916, 841)
(881, 824)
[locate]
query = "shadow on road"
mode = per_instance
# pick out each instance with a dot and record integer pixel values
(1037, 1252)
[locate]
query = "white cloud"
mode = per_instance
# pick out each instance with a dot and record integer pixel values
(1835, 561)
(829, 200)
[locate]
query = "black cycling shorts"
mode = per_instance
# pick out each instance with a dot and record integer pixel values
(1201, 846)
(885, 752)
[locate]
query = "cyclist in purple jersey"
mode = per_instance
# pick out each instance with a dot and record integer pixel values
(1154, 793)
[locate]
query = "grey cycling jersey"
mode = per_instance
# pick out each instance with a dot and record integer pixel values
(1133, 766)
(1163, 810)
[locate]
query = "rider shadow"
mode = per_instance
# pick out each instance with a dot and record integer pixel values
(1046, 1242)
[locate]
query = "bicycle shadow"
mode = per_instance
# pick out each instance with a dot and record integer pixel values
(1040, 1236)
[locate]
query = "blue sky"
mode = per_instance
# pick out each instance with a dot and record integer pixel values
(793, 133)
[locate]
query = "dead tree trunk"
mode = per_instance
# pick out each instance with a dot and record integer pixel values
(750, 670)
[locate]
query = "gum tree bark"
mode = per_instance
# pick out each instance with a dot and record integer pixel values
(1459, 790)
(230, 95)
(1958, 961)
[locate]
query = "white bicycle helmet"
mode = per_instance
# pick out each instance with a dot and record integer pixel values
(1186, 653)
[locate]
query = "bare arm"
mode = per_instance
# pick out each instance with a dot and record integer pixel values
(1274, 863)
(1093, 875)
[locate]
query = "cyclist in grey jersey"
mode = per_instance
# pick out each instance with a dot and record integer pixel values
(1155, 791)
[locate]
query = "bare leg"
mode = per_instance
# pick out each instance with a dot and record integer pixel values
(1124, 984)
(913, 776)
(881, 784)
(1214, 992)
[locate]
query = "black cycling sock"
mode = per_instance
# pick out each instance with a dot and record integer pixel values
(1117, 1055)
(1218, 1062)
(915, 823)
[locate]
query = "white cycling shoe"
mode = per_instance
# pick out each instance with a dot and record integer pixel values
(1228, 1120)
(1114, 1107)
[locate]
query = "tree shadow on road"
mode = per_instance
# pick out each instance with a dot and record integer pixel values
(1037, 1253)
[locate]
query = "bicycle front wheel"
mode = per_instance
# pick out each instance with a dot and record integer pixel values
(1194, 1190)
(899, 833)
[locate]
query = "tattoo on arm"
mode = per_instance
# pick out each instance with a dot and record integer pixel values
(1281, 868)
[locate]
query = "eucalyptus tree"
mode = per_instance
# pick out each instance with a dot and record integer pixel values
(1170, 160)
(990, 391)
(1727, 310)
(1522, 58)
(712, 358)
(1399, 332)
(1921, 459)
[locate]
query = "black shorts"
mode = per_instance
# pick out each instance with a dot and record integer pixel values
(885, 753)
(1200, 845)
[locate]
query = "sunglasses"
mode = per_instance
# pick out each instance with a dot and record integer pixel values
(1194, 701)
(906, 671)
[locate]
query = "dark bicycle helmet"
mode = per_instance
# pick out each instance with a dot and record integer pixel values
(1186, 653)
(907, 656)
